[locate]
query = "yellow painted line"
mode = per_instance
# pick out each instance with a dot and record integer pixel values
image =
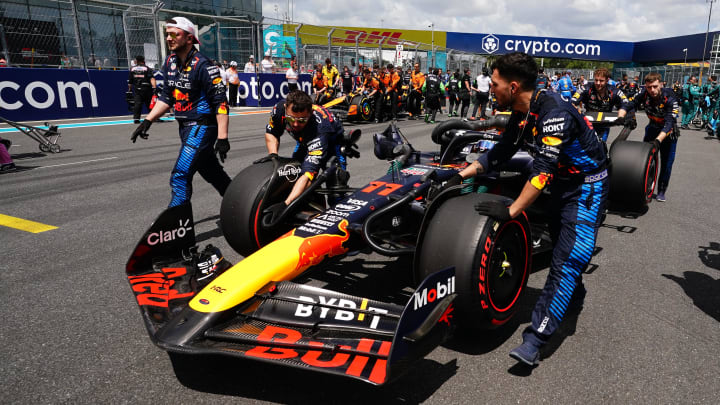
(24, 224)
(599, 118)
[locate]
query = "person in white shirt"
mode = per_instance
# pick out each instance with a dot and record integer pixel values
(292, 77)
(250, 66)
(267, 65)
(482, 95)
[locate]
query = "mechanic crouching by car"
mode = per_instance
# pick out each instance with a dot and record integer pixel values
(194, 87)
(374, 88)
(570, 161)
(602, 97)
(317, 133)
(662, 109)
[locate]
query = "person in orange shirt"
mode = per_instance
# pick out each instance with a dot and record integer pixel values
(374, 87)
(391, 89)
(384, 77)
(319, 86)
(417, 80)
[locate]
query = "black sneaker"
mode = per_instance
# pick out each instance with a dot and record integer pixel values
(209, 264)
(526, 353)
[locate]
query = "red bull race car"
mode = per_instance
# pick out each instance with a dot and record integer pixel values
(469, 270)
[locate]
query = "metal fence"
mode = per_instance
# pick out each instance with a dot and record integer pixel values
(105, 34)
(670, 73)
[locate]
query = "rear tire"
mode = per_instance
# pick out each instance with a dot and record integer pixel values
(492, 260)
(633, 174)
(240, 211)
(364, 108)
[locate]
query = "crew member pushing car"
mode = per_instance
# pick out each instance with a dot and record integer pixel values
(662, 109)
(143, 83)
(602, 97)
(316, 132)
(569, 159)
(194, 87)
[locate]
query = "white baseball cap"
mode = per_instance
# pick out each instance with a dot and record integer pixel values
(185, 25)
(233, 63)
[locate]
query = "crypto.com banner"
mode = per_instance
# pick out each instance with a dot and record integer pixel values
(496, 44)
(50, 94)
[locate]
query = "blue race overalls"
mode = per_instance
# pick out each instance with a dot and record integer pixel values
(663, 113)
(593, 101)
(570, 159)
(316, 142)
(566, 87)
(195, 90)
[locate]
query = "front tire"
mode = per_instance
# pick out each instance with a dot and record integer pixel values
(492, 260)
(242, 204)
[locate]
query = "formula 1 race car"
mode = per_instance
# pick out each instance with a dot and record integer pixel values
(470, 270)
(355, 106)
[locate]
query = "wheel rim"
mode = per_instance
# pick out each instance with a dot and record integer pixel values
(365, 109)
(650, 177)
(508, 265)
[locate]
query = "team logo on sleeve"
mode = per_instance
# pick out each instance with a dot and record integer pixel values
(541, 180)
(217, 80)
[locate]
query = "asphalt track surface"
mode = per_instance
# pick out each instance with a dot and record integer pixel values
(72, 333)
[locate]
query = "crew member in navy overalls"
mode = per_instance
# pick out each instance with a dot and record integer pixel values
(661, 107)
(142, 80)
(603, 97)
(194, 87)
(569, 159)
(317, 133)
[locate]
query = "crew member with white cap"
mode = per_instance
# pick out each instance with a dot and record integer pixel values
(194, 87)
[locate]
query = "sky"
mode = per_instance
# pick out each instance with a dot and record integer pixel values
(608, 20)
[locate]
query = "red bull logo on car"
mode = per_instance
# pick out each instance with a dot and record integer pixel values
(315, 249)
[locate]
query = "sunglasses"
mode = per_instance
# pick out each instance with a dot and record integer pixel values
(299, 120)
(172, 35)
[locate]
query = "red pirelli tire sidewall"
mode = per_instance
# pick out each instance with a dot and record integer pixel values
(456, 236)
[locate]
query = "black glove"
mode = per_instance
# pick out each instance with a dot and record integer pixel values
(656, 144)
(272, 212)
(351, 151)
(494, 209)
(620, 120)
(267, 158)
(453, 181)
(141, 130)
(222, 146)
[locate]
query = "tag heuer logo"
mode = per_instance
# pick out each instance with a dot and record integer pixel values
(490, 43)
